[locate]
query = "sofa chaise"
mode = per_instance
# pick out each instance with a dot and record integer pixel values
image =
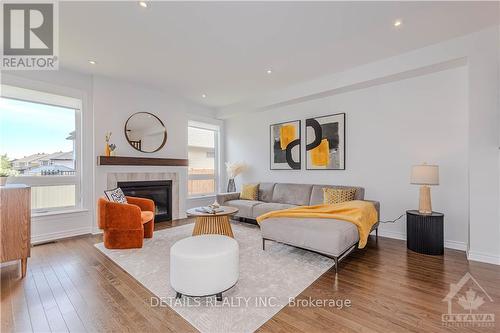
(330, 237)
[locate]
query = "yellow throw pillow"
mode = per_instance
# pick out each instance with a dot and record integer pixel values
(337, 195)
(249, 192)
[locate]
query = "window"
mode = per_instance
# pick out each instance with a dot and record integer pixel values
(40, 146)
(203, 151)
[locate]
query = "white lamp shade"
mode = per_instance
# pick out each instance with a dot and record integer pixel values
(425, 174)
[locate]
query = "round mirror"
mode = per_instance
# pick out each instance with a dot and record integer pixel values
(145, 132)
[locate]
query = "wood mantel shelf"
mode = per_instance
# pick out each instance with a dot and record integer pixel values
(151, 161)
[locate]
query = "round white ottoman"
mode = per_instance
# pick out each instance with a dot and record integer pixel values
(204, 265)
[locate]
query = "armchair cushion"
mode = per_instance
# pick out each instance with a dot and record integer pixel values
(146, 216)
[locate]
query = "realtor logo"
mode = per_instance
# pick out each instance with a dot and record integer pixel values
(470, 300)
(29, 36)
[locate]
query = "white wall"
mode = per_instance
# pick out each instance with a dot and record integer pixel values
(389, 128)
(114, 102)
(478, 53)
(107, 104)
(484, 138)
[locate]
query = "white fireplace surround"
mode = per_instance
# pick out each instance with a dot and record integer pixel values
(107, 177)
(114, 177)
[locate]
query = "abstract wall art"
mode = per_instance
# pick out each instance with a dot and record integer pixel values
(325, 142)
(285, 146)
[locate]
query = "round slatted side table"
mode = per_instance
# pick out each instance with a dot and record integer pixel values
(217, 223)
(425, 232)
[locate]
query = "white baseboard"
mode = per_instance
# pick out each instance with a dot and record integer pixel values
(51, 227)
(483, 257)
(96, 231)
(51, 236)
(455, 245)
(449, 244)
(391, 234)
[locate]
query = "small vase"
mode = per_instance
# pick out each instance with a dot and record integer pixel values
(231, 187)
(112, 153)
(107, 151)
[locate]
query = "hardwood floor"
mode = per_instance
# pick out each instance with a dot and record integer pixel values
(70, 286)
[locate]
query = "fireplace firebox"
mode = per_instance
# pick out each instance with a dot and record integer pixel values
(160, 191)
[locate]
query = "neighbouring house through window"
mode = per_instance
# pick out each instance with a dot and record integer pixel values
(203, 151)
(40, 146)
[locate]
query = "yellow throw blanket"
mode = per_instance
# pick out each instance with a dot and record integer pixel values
(361, 213)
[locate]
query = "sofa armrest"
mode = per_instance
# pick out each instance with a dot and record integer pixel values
(223, 197)
(377, 207)
(143, 203)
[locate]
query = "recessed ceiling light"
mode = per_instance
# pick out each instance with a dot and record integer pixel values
(203, 96)
(92, 62)
(143, 4)
(398, 23)
(269, 71)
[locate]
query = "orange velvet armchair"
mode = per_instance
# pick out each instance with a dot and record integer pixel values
(125, 225)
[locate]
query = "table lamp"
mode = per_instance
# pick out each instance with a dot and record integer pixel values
(425, 175)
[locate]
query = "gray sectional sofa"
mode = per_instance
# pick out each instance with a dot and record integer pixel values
(330, 237)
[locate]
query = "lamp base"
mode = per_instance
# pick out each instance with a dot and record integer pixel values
(425, 206)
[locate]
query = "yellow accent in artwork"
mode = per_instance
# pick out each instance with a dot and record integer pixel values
(320, 155)
(287, 135)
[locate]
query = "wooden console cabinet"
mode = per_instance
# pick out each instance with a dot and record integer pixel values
(15, 224)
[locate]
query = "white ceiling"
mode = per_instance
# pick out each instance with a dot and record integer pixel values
(223, 49)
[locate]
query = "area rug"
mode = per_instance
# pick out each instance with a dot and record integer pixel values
(268, 280)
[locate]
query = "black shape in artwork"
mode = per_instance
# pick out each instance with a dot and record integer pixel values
(330, 132)
(289, 159)
(279, 154)
(318, 136)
